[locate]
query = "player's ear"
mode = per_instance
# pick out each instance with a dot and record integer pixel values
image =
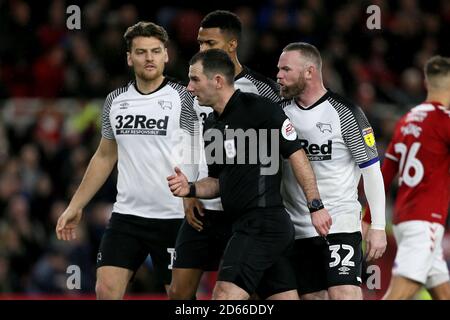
(129, 61)
(232, 45)
(219, 81)
(309, 71)
(166, 55)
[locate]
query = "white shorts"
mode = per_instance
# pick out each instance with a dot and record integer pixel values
(419, 253)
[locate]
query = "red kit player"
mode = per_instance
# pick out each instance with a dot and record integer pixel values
(420, 154)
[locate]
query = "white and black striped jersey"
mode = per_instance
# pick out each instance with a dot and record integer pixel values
(246, 81)
(338, 141)
(149, 129)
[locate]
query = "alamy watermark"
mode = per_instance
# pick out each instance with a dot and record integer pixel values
(374, 20)
(373, 281)
(74, 279)
(73, 21)
(231, 146)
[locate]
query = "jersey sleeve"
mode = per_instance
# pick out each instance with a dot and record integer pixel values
(192, 139)
(396, 137)
(288, 142)
(269, 89)
(209, 152)
(389, 171)
(446, 127)
(359, 137)
(214, 170)
(188, 118)
(390, 152)
(266, 87)
(107, 131)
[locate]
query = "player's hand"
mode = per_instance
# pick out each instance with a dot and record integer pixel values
(321, 220)
(68, 223)
(375, 244)
(178, 183)
(190, 205)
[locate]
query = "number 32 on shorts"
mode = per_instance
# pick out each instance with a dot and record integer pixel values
(346, 261)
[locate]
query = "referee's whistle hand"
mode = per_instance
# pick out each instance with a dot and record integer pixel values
(321, 221)
(178, 183)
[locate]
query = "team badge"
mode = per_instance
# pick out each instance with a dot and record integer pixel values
(288, 130)
(230, 148)
(369, 137)
(165, 104)
(324, 127)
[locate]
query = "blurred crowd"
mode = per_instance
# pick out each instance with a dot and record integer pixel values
(53, 82)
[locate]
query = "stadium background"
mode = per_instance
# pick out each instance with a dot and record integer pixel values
(53, 82)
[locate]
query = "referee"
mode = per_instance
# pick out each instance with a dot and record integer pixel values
(205, 232)
(262, 230)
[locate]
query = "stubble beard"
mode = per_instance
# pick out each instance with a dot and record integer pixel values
(147, 77)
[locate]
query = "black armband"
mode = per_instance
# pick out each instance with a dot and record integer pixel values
(192, 191)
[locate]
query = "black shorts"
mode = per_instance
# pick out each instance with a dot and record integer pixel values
(255, 259)
(320, 266)
(129, 239)
(280, 277)
(203, 250)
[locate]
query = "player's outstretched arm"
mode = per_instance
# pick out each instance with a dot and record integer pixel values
(389, 171)
(98, 170)
(375, 194)
(304, 174)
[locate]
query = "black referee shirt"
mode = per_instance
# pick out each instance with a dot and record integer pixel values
(243, 187)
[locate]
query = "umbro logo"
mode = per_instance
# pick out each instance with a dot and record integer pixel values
(165, 104)
(124, 105)
(324, 127)
(344, 270)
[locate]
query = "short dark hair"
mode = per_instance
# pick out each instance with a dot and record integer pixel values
(145, 29)
(224, 20)
(437, 66)
(215, 61)
(307, 50)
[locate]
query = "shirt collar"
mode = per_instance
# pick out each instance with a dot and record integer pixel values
(315, 104)
(231, 104)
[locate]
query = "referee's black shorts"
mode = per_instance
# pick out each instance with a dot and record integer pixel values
(256, 256)
(129, 239)
(203, 250)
